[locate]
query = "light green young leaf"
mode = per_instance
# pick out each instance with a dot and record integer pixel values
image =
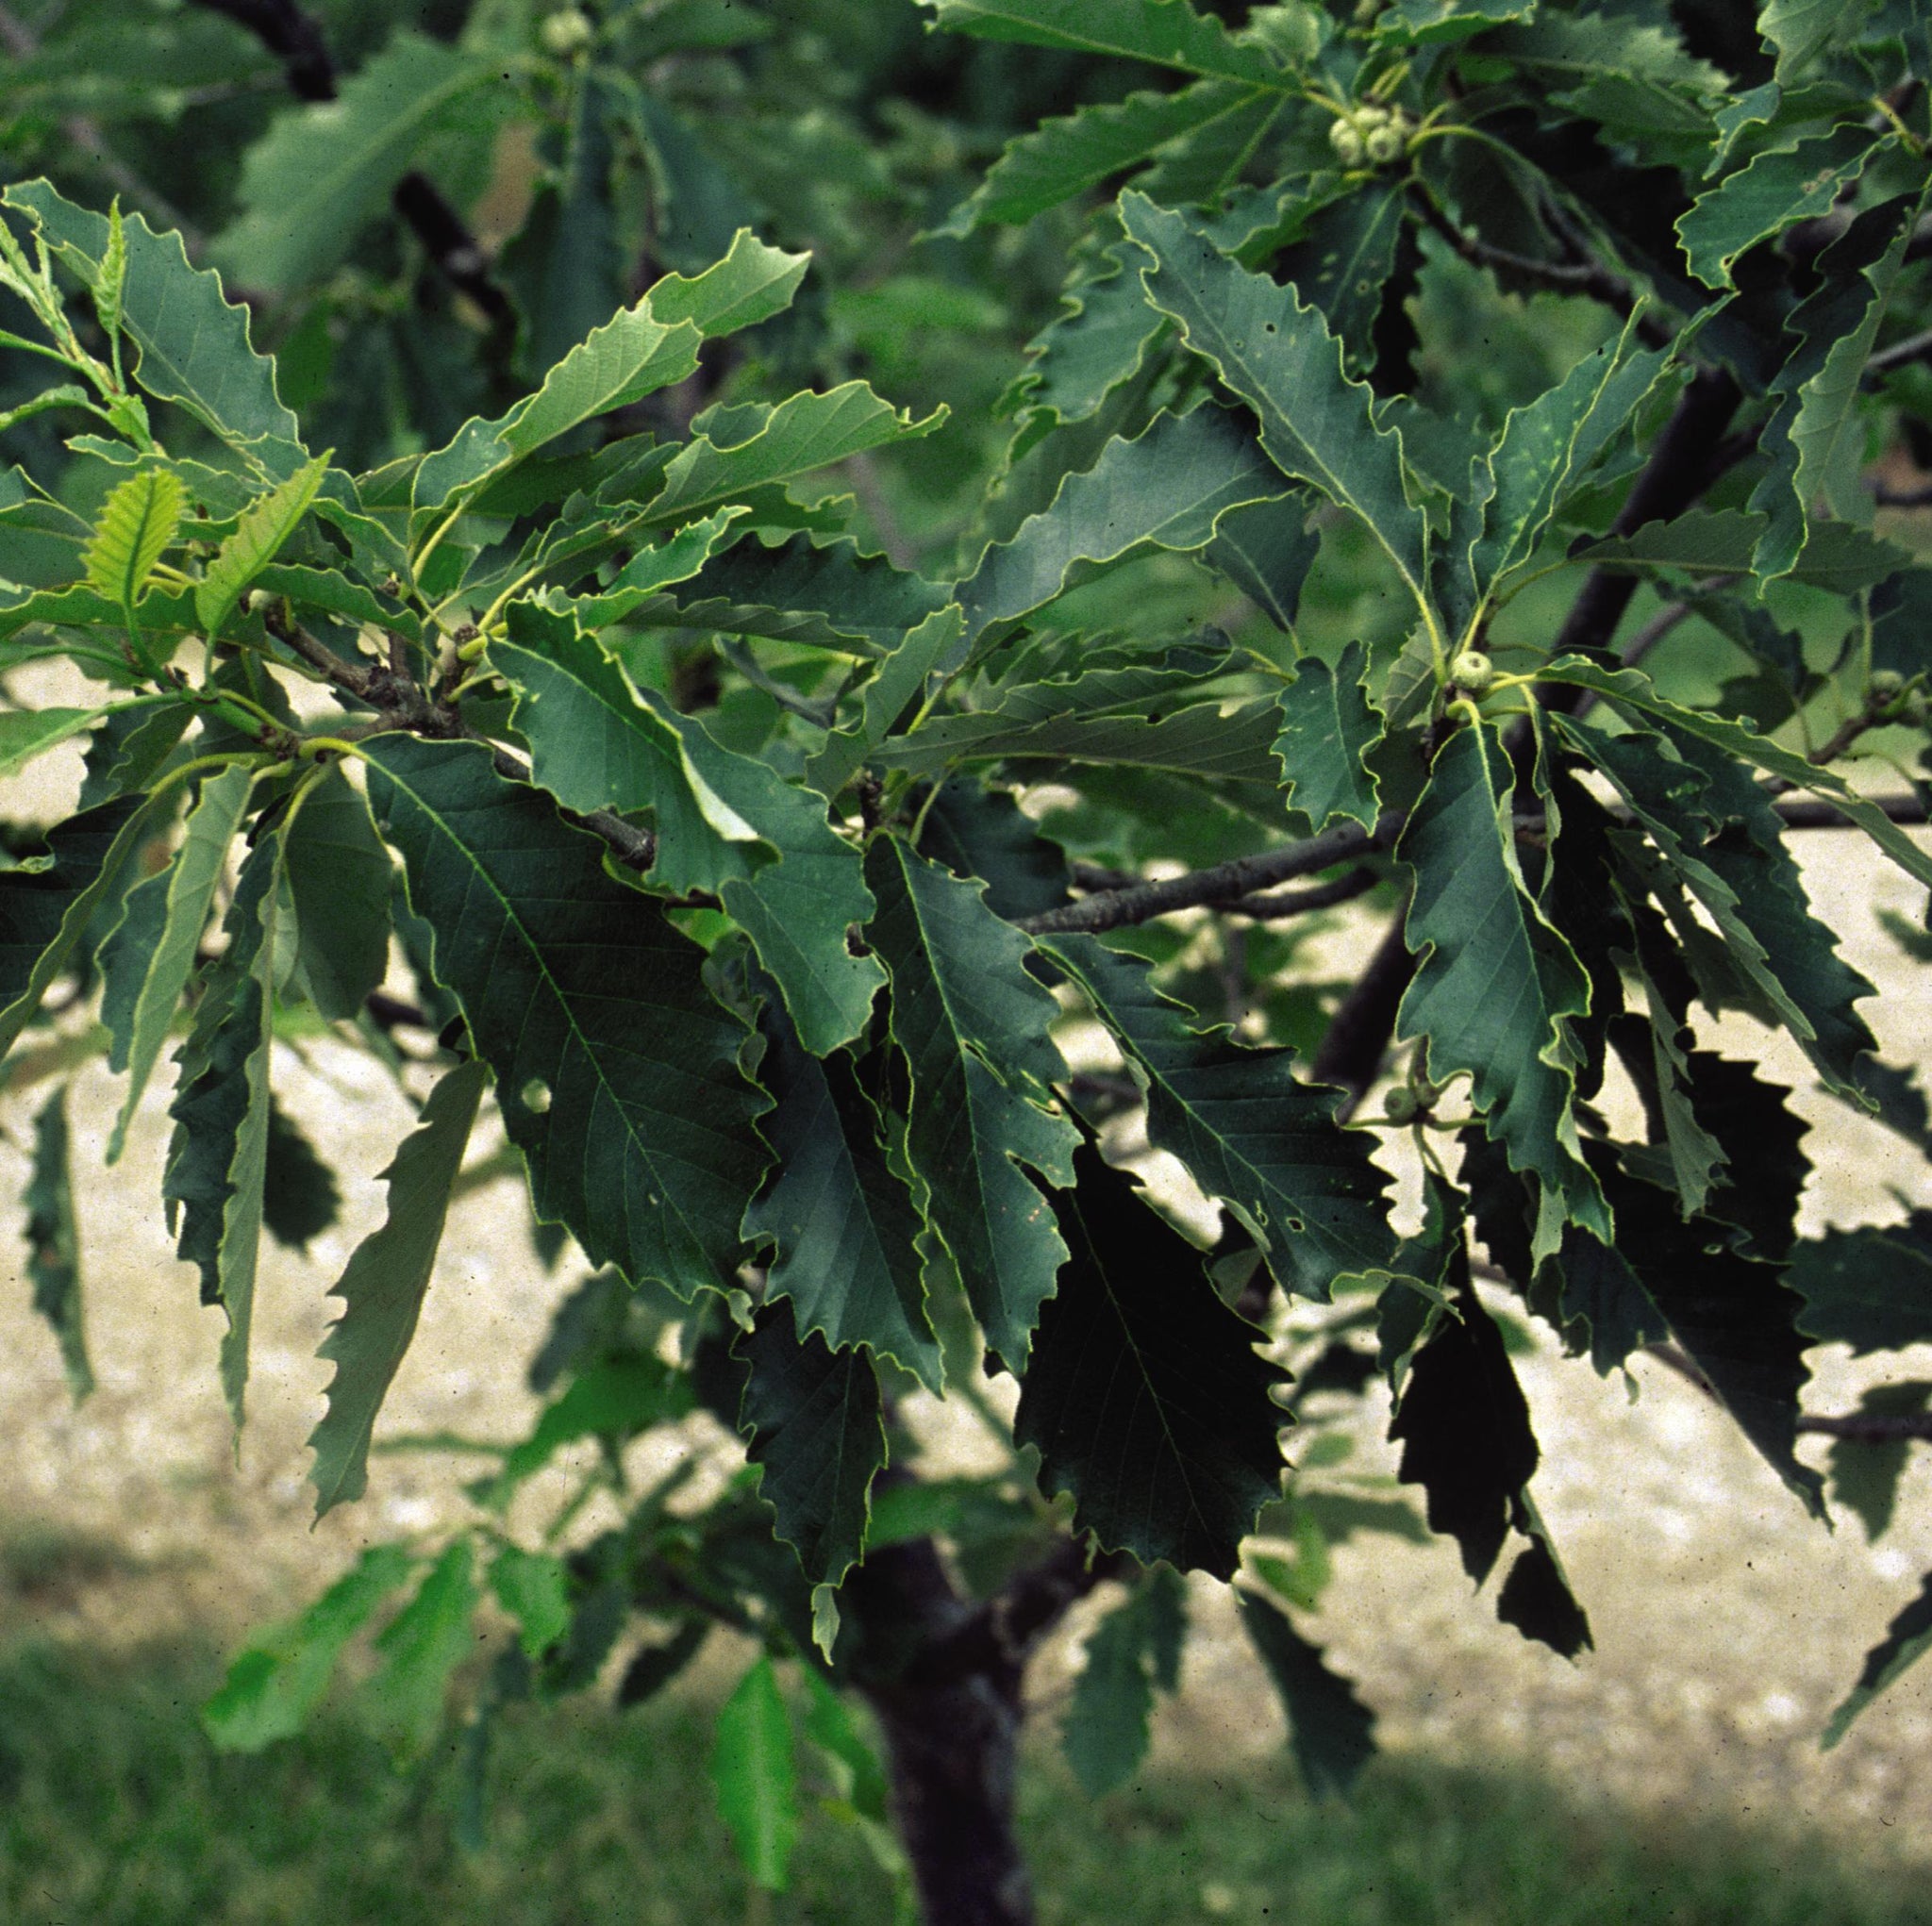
(681, 554)
(276, 1682)
(109, 288)
(1776, 191)
(218, 1158)
(751, 284)
(1497, 981)
(754, 1775)
(53, 1243)
(382, 1290)
(258, 538)
(597, 742)
(845, 1228)
(1163, 33)
(632, 355)
(813, 1418)
(422, 1646)
(194, 345)
(617, 1073)
(1278, 356)
(341, 880)
(321, 173)
(1327, 725)
(149, 953)
(136, 523)
(733, 450)
(1066, 157)
(1169, 488)
(534, 1588)
(962, 1002)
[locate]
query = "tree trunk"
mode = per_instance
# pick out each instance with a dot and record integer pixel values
(944, 1673)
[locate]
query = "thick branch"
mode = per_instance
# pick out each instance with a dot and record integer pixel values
(291, 35)
(1902, 354)
(635, 848)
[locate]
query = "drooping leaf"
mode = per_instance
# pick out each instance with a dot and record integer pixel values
(616, 1073)
(1537, 1600)
(680, 555)
(194, 345)
(421, 1647)
(1465, 1428)
(148, 954)
(1248, 1130)
(597, 742)
(844, 1225)
(1631, 690)
(258, 538)
(1163, 33)
(1869, 1287)
(136, 523)
(813, 1418)
(754, 1775)
(1775, 191)
(53, 1242)
(1329, 724)
(972, 1026)
(1718, 830)
(276, 1682)
(341, 880)
(1277, 355)
(314, 180)
(1065, 157)
(46, 905)
(1095, 343)
(382, 1290)
(218, 1157)
(1144, 1393)
(1904, 1643)
(1330, 1731)
(1497, 983)
(1167, 488)
(1705, 543)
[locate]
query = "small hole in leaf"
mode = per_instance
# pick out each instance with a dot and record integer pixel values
(536, 1096)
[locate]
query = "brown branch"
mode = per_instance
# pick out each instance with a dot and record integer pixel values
(1587, 277)
(1224, 885)
(1358, 882)
(1902, 354)
(635, 848)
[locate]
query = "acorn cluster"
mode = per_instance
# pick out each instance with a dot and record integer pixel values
(1369, 136)
(566, 33)
(1890, 699)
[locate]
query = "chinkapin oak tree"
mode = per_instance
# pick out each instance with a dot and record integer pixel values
(1514, 384)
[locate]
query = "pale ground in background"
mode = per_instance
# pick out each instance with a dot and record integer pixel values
(1727, 1623)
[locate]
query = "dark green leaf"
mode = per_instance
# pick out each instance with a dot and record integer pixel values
(1870, 1288)
(1331, 1732)
(382, 1290)
(1145, 1394)
(813, 1418)
(1328, 727)
(53, 1243)
(341, 880)
(844, 1225)
(616, 1073)
(1266, 550)
(1247, 1129)
(1779, 187)
(1105, 1733)
(1163, 33)
(1905, 1642)
(961, 1003)
(299, 1200)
